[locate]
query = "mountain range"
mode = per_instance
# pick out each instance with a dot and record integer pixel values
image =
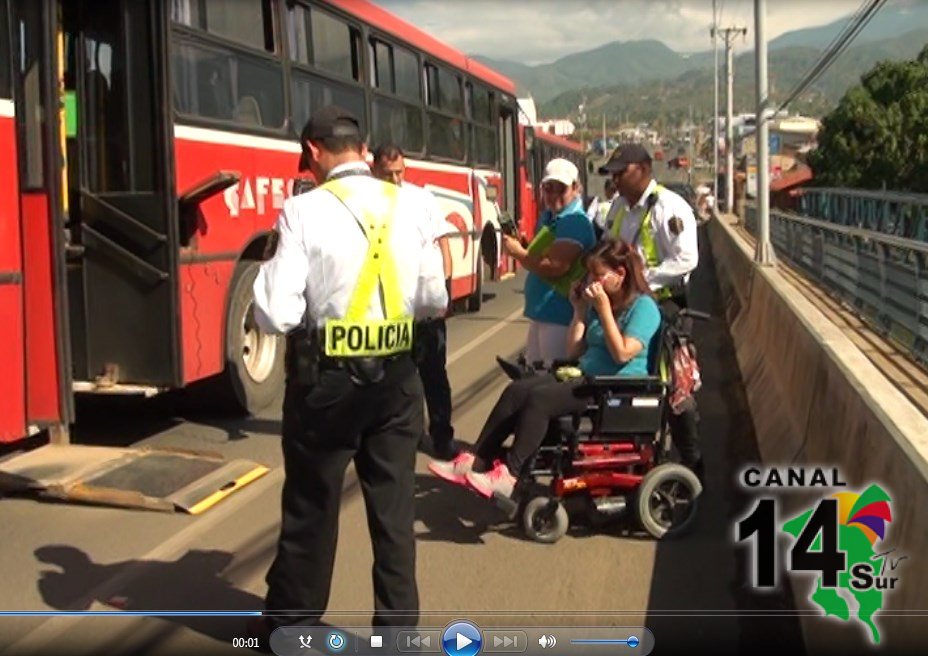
(653, 79)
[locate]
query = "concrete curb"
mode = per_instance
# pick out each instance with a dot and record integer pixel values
(816, 399)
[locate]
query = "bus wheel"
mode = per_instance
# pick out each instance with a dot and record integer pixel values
(254, 358)
(475, 300)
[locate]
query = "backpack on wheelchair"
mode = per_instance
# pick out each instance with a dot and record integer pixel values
(616, 453)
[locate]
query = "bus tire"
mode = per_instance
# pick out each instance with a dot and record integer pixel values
(254, 373)
(475, 300)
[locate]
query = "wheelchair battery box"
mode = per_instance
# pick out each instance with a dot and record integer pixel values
(630, 414)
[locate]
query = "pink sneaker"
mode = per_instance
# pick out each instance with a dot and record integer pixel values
(497, 480)
(453, 471)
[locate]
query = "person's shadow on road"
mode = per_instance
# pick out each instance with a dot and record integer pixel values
(452, 513)
(198, 581)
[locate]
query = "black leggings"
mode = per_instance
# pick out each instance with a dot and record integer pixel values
(525, 408)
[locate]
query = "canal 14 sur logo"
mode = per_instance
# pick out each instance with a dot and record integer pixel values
(839, 540)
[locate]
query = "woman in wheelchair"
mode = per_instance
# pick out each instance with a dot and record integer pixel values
(614, 332)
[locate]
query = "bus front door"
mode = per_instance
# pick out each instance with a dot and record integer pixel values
(120, 210)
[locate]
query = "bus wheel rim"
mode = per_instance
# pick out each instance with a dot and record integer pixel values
(259, 349)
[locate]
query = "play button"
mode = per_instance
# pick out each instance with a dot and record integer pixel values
(461, 639)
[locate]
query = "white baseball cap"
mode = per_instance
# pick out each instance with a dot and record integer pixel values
(560, 170)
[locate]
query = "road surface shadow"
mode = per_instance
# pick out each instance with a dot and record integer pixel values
(125, 420)
(195, 582)
(704, 571)
(452, 513)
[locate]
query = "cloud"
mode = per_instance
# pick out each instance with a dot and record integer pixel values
(538, 31)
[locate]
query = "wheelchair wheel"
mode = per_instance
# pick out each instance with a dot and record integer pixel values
(667, 500)
(545, 520)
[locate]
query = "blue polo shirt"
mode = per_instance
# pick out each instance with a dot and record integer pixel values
(542, 303)
(642, 321)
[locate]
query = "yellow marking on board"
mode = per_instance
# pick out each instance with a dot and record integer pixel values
(221, 494)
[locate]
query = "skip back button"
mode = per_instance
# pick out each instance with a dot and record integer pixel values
(419, 641)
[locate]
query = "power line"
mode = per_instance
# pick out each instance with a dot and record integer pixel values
(836, 48)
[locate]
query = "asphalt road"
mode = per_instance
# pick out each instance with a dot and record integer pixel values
(471, 562)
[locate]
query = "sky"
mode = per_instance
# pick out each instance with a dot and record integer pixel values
(540, 31)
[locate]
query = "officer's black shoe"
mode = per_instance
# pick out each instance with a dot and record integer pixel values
(258, 628)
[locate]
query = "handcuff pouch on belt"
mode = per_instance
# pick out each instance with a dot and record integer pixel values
(305, 359)
(302, 357)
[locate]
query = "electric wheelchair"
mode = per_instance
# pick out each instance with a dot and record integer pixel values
(615, 454)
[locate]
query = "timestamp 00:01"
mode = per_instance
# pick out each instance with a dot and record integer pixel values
(246, 643)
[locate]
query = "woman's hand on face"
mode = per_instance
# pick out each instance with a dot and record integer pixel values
(598, 297)
(578, 298)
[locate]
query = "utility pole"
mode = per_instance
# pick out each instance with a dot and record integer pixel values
(715, 105)
(690, 132)
(764, 254)
(729, 34)
(582, 120)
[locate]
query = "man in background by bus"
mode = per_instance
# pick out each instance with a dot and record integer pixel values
(432, 334)
(599, 209)
(563, 234)
(356, 262)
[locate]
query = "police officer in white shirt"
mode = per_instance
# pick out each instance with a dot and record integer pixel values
(661, 224)
(657, 220)
(355, 264)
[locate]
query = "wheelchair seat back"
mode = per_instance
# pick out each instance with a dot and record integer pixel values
(635, 405)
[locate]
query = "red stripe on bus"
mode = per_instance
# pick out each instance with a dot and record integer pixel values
(42, 402)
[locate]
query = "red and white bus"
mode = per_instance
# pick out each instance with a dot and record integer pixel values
(153, 143)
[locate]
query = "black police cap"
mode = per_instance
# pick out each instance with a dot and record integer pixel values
(326, 122)
(625, 154)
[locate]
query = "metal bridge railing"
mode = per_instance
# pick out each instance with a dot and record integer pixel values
(886, 212)
(883, 276)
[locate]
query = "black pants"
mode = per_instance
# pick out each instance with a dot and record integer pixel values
(431, 358)
(684, 427)
(325, 426)
(525, 409)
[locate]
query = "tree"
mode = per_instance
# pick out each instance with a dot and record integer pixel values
(878, 134)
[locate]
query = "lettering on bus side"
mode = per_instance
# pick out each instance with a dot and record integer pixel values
(262, 194)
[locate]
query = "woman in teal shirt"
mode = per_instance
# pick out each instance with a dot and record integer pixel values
(614, 332)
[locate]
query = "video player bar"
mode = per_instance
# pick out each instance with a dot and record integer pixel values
(461, 638)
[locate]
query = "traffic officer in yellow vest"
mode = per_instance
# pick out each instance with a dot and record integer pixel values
(657, 220)
(661, 224)
(356, 263)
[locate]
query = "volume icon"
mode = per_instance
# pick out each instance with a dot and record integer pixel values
(547, 641)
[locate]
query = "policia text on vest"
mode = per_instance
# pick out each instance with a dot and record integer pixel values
(372, 338)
